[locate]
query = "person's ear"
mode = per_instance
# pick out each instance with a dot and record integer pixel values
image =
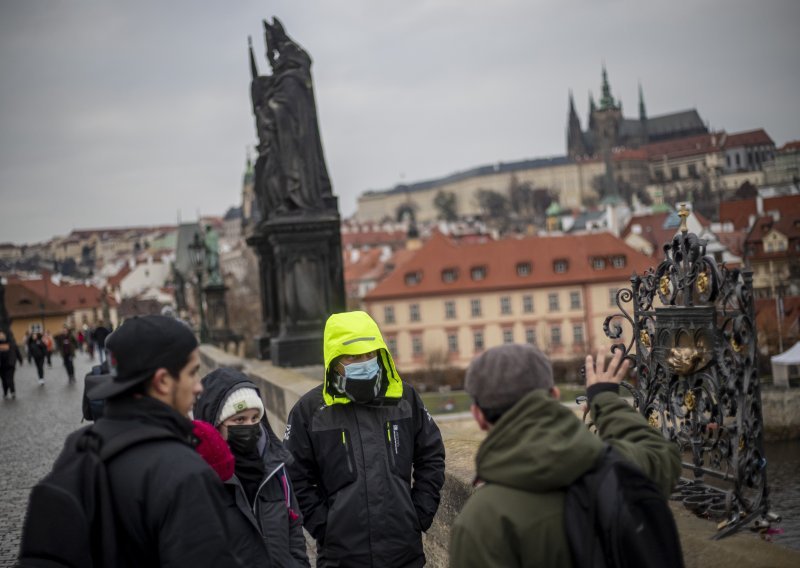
(555, 392)
(161, 383)
(479, 417)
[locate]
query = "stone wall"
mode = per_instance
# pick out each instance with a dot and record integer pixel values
(283, 387)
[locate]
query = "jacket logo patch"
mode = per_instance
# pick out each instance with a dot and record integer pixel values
(239, 406)
(287, 432)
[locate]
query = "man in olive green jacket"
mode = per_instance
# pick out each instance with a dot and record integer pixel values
(535, 448)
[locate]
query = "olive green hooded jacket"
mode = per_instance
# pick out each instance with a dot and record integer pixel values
(368, 476)
(528, 459)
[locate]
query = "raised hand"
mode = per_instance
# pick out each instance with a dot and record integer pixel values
(615, 373)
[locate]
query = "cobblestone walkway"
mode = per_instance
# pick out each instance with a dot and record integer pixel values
(32, 431)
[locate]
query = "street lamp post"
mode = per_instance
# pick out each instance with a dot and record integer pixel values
(197, 252)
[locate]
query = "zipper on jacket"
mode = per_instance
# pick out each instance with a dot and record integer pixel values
(392, 451)
(260, 487)
(347, 452)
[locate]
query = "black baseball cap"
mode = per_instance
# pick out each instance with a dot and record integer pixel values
(141, 346)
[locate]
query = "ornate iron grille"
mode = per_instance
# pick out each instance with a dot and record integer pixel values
(693, 348)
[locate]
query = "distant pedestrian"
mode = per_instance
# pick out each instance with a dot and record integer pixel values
(99, 336)
(38, 351)
(9, 355)
(67, 344)
(48, 343)
(25, 343)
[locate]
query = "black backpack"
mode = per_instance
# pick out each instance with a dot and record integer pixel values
(93, 407)
(615, 516)
(70, 518)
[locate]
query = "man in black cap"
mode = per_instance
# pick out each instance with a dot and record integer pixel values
(536, 448)
(167, 502)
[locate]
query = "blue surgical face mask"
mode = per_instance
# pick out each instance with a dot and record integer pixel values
(361, 382)
(363, 371)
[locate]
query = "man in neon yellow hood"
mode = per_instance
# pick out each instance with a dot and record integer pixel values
(369, 459)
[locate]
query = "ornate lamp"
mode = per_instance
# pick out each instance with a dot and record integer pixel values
(197, 254)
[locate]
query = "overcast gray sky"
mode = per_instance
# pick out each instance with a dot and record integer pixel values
(125, 112)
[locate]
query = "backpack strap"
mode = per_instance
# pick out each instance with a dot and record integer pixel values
(115, 436)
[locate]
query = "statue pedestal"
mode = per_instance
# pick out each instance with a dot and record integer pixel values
(302, 284)
(216, 309)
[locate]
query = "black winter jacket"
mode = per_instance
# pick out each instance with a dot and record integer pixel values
(268, 533)
(170, 504)
(368, 477)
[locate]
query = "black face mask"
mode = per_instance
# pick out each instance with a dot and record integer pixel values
(243, 438)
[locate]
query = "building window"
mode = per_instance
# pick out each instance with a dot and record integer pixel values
(416, 345)
(388, 314)
(560, 266)
(477, 340)
(675, 173)
(523, 269)
(575, 300)
(505, 305)
(555, 336)
(530, 336)
(738, 161)
(413, 278)
(552, 302)
(577, 334)
(478, 273)
(452, 343)
(612, 296)
(728, 161)
(659, 173)
(508, 336)
(450, 310)
(475, 308)
(618, 261)
(449, 275)
(527, 304)
(391, 343)
(693, 171)
(598, 263)
(413, 312)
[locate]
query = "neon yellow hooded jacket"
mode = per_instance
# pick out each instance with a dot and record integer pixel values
(355, 333)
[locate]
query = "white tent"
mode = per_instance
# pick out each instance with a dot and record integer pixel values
(781, 364)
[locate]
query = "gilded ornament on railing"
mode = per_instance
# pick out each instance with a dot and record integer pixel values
(689, 400)
(735, 346)
(663, 285)
(653, 420)
(683, 214)
(644, 338)
(702, 282)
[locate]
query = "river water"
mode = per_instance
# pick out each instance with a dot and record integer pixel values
(783, 477)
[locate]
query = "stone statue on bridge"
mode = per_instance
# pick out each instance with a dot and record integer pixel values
(291, 175)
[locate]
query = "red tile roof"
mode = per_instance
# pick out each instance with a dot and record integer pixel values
(738, 212)
(683, 147)
(767, 314)
(70, 297)
(23, 302)
(790, 146)
(757, 137)
(117, 279)
(733, 241)
(500, 259)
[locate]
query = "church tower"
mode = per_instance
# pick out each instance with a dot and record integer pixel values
(607, 120)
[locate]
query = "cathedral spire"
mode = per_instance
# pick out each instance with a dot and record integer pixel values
(253, 66)
(576, 145)
(642, 111)
(607, 101)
